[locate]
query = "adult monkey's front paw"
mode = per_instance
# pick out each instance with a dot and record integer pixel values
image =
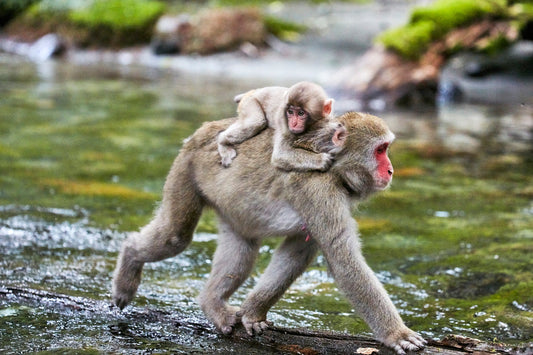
(404, 340)
(254, 324)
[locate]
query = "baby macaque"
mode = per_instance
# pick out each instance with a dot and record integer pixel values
(290, 112)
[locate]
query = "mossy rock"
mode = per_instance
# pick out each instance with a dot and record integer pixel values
(117, 22)
(284, 29)
(104, 23)
(221, 29)
(431, 23)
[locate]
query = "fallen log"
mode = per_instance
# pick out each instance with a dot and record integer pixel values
(276, 339)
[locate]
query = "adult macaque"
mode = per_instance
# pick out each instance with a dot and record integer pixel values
(290, 112)
(253, 201)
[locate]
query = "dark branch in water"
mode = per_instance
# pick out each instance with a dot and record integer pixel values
(277, 339)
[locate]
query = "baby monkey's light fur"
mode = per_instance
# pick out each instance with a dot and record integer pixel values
(267, 107)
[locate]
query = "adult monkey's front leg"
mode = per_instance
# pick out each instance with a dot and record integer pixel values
(288, 262)
(359, 283)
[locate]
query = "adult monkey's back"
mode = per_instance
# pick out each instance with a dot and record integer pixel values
(254, 200)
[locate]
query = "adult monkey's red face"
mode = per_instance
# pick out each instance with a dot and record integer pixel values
(364, 161)
(384, 170)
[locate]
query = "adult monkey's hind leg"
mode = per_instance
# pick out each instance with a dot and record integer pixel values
(167, 235)
(288, 262)
(232, 263)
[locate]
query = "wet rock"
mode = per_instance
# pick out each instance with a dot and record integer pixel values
(503, 78)
(44, 48)
(169, 33)
(476, 285)
(382, 78)
(210, 31)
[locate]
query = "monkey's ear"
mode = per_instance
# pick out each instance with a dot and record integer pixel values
(328, 107)
(339, 137)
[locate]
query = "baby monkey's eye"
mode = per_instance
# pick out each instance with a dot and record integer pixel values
(301, 113)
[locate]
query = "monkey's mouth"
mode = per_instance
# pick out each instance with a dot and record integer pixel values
(382, 184)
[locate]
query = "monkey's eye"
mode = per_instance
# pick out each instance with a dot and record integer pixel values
(290, 111)
(382, 148)
(301, 113)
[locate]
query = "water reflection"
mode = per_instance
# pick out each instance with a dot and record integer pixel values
(474, 128)
(469, 128)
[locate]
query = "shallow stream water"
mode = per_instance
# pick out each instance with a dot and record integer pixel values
(84, 151)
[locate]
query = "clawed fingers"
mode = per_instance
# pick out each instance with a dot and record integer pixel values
(249, 328)
(418, 340)
(256, 327)
(407, 341)
(399, 350)
(407, 345)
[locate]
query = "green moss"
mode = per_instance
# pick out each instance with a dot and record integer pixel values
(284, 29)
(449, 14)
(119, 14)
(409, 41)
(429, 23)
(117, 22)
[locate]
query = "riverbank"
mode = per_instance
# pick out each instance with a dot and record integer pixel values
(334, 39)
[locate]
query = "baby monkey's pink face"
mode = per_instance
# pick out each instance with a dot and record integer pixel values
(296, 119)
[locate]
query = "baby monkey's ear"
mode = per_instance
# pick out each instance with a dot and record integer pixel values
(328, 107)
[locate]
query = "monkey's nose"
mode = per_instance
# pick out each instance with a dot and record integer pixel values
(390, 171)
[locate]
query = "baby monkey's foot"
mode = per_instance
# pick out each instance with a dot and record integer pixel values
(227, 153)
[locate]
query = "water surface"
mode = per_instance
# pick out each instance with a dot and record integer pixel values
(84, 151)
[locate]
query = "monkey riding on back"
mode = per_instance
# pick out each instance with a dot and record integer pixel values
(255, 200)
(291, 112)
